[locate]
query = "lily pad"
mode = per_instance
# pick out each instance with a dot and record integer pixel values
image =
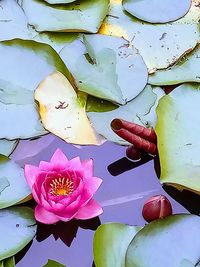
(61, 111)
(111, 241)
(116, 71)
(7, 147)
(164, 236)
(160, 45)
(193, 16)
(178, 131)
(81, 16)
(17, 229)
(140, 106)
(157, 11)
(95, 104)
(9, 262)
(13, 22)
(186, 70)
(57, 40)
(59, 1)
(150, 119)
(24, 64)
(13, 186)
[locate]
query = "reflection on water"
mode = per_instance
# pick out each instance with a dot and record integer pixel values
(65, 231)
(126, 186)
(123, 165)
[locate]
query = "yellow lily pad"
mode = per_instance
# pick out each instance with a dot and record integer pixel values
(62, 113)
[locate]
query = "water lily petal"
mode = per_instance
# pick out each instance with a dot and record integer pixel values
(44, 216)
(35, 195)
(91, 210)
(58, 157)
(75, 164)
(93, 184)
(40, 180)
(88, 167)
(45, 166)
(31, 173)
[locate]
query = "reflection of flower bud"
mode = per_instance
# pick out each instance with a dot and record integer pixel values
(156, 207)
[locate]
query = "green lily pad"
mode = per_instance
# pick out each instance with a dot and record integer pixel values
(138, 107)
(159, 45)
(7, 147)
(95, 104)
(166, 242)
(178, 131)
(81, 16)
(18, 80)
(17, 229)
(52, 263)
(111, 241)
(9, 262)
(57, 40)
(150, 119)
(116, 71)
(157, 11)
(13, 22)
(186, 70)
(13, 186)
(59, 1)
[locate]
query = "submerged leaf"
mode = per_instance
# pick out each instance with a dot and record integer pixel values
(186, 70)
(157, 11)
(111, 242)
(164, 236)
(17, 229)
(178, 130)
(159, 45)
(62, 113)
(52, 263)
(81, 16)
(13, 186)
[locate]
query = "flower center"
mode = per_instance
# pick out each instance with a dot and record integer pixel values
(61, 186)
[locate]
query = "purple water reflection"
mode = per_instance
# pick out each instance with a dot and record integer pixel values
(122, 197)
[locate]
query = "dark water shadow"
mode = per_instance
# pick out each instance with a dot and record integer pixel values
(124, 164)
(19, 256)
(65, 231)
(189, 200)
(186, 198)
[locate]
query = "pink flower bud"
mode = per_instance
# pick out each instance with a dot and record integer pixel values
(156, 207)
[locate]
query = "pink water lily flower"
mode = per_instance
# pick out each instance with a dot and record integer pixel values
(63, 189)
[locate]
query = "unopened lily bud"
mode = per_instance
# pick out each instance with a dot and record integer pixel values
(156, 207)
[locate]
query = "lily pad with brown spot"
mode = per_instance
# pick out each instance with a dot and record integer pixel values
(61, 112)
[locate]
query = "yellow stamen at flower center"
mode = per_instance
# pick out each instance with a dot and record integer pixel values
(61, 186)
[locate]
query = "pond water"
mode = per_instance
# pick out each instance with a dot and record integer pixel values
(126, 185)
